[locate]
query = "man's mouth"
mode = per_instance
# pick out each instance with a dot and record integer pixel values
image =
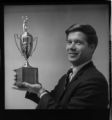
(73, 53)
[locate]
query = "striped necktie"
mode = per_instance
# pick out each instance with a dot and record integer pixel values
(67, 77)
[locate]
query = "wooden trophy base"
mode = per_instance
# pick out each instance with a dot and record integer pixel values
(25, 74)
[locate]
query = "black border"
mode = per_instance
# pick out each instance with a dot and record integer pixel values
(67, 115)
(51, 2)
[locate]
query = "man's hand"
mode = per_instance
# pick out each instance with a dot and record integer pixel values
(34, 88)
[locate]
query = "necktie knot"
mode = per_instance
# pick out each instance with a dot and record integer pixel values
(70, 71)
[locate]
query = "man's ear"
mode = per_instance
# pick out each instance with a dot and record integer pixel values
(92, 46)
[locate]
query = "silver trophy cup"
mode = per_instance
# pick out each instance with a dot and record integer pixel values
(26, 44)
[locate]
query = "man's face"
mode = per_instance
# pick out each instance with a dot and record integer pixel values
(77, 48)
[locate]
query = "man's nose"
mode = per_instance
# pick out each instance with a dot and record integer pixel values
(73, 46)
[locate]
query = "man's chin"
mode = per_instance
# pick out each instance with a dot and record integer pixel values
(72, 60)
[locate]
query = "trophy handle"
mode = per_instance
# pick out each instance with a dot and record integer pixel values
(35, 39)
(17, 38)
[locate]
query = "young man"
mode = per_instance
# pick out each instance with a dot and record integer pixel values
(83, 87)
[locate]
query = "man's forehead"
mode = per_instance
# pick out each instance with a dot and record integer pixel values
(77, 35)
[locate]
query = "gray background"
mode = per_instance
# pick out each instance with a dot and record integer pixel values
(49, 23)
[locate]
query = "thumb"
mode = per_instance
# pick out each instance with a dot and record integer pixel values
(26, 84)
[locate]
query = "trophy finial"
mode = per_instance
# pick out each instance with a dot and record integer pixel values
(25, 23)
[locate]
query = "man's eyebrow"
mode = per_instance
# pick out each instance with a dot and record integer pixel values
(73, 39)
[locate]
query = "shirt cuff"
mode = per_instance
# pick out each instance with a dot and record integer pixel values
(42, 94)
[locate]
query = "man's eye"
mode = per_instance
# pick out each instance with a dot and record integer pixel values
(68, 42)
(78, 42)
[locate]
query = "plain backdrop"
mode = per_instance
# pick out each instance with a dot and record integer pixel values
(48, 23)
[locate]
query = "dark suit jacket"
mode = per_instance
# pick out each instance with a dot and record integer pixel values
(87, 90)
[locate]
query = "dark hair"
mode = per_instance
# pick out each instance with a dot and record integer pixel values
(86, 29)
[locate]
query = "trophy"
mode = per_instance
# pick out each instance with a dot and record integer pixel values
(25, 44)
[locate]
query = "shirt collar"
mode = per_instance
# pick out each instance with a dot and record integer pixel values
(77, 68)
